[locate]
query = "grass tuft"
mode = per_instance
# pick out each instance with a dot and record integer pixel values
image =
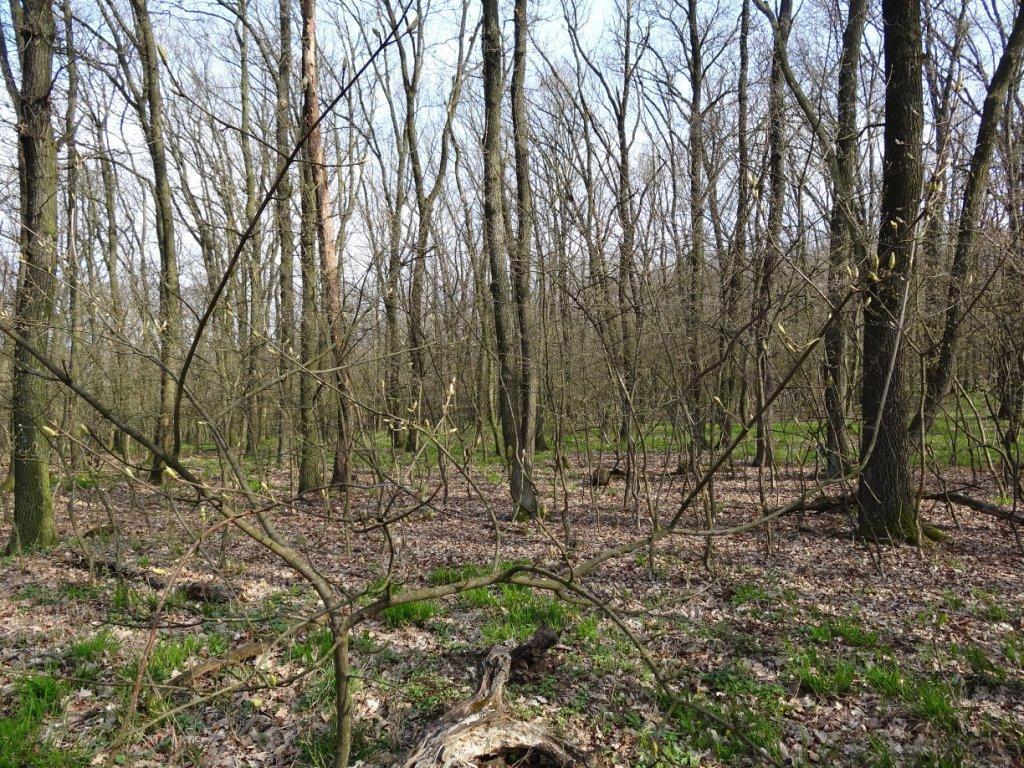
(822, 676)
(416, 613)
(36, 698)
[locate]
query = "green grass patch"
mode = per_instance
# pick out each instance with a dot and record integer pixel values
(451, 574)
(521, 612)
(845, 630)
(124, 597)
(169, 656)
(417, 613)
(39, 594)
(886, 678)
(989, 607)
(699, 728)
(95, 648)
(479, 597)
(1013, 648)
(821, 675)
(83, 592)
(745, 593)
(982, 667)
(315, 647)
(932, 700)
(35, 699)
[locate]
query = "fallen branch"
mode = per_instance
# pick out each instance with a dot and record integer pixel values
(479, 729)
(198, 591)
(236, 656)
(987, 508)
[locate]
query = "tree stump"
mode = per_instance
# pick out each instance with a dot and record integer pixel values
(480, 732)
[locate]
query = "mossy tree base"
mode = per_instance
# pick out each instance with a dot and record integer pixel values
(900, 526)
(33, 508)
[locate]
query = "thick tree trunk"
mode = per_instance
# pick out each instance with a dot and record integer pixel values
(495, 235)
(37, 156)
(884, 495)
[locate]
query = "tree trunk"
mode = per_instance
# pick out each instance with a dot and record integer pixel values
(494, 228)
(309, 460)
(884, 494)
(772, 249)
(37, 164)
(282, 208)
(169, 313)
(524, 493)
(940, 371)
(697, 200)
(731, 286)
(329, 263)
(841, 242)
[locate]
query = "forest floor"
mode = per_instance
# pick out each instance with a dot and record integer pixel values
(817, 649)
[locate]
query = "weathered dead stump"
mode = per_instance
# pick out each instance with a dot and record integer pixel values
(479, 732)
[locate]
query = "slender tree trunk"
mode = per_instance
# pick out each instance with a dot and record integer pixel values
(71, 235)
(697, 203)
(254, 318)
(732, 285)
(283, 208)
(940, 370)
(772, 249)
(841, 242)
(628, 300)
(524, 493)
(120, 444)
(329, 263)
(169, 313)
(309, 459)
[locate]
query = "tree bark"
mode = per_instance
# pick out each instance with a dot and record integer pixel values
(329, 262)
(37, 165)
(524, 493)
(732, 284)
(841, 242)
(772, 249)
(309, 461)
(884, 494)
(169, 312)
(282, 204)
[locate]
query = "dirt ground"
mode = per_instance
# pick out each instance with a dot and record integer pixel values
(798, 645)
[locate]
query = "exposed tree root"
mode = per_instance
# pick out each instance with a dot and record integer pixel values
(479, 731)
